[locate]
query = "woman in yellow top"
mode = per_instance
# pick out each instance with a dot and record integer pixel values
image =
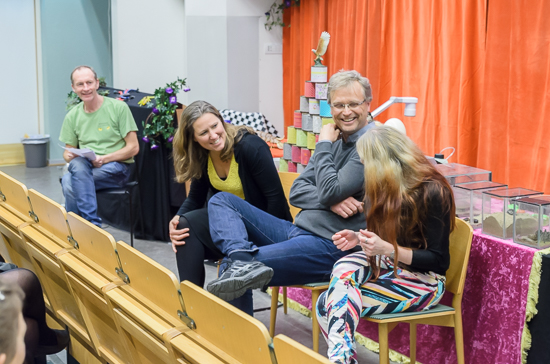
(217, 156)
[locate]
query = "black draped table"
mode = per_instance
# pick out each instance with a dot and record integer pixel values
(159, 195)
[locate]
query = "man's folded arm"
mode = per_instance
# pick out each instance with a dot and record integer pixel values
(335, 186)
(320, 186)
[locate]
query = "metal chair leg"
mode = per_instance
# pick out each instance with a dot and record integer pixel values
(140, 210)
(315, 329)
(129, 194)
(274, 306)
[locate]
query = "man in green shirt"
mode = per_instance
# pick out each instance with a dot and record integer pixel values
(106, 127)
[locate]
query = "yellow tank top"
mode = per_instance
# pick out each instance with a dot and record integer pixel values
(232, 183)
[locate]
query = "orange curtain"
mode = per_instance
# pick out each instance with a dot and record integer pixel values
(516, 95)
(464, 60)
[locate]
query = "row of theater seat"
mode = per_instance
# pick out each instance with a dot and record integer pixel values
(121, 306)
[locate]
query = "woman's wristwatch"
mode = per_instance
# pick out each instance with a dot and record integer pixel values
(392, 254)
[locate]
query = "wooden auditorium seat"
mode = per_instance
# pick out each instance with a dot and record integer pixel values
(220, 325)
(316, 288)
(146, 313)
(14, 212)
(289, 351)
(91, 270)
(287, 179)
(45, 253)
(44, 238)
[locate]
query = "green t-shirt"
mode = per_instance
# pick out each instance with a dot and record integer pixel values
(102, 131)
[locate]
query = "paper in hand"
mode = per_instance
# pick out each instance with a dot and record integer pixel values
(86, 153)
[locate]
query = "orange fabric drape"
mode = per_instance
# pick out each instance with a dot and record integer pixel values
(516, 95)
(464, 60)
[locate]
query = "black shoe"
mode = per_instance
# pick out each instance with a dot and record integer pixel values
(62, 342)
(238, 277)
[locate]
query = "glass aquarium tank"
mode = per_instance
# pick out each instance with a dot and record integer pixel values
(498, 210)
(468, 200)
(532, 222)
(459, 173)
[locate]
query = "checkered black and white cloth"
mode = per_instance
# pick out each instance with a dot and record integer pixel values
(255, 120)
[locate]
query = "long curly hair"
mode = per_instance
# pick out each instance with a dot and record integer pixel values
(189, 156)
(399, 181)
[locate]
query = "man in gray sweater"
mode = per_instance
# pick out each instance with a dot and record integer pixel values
(262, 249)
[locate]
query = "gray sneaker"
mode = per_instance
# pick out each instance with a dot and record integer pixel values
(238, 277)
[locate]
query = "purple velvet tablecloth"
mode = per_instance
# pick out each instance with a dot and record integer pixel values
(493, 308)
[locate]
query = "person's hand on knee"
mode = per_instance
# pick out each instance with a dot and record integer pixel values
(177, 236)
(99, 161)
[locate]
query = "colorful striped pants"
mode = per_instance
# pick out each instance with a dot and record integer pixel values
(350, 297)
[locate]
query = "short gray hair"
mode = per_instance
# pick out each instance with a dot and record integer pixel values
(80, 67)
(343, 79)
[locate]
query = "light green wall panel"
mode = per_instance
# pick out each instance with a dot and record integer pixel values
(74, 32)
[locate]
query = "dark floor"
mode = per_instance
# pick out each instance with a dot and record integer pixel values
(294, 325)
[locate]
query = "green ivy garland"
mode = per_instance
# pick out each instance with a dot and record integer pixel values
(274, 16)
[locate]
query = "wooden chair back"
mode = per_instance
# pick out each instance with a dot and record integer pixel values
(146, 313)
(287, 179)
(148, 278)
(14, 194)
(239, 335)
(289, 351)
(460, 255)
(47, 236)
(53, 280)
(14, 211)
(51, 216)
(89, 265)
(88, 282)
(92, 242)
(44, 253)
(5, 247)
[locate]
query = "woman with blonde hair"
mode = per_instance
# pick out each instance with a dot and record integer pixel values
(404, 248)
(217, 156)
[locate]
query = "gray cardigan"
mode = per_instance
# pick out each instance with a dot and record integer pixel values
(333, 174)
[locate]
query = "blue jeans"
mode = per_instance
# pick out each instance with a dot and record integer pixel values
(296, 256)
(80, 184)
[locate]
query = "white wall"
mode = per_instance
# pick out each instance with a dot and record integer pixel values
(72, 33)
(148, 43)
(218, 45)
(226, 59)
(154, 43)
(271, 76)
(207, 49)
(18, 72)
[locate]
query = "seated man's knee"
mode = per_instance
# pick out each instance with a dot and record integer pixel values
(78, 164)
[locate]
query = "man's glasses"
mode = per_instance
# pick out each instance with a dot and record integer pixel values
(351, 105)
